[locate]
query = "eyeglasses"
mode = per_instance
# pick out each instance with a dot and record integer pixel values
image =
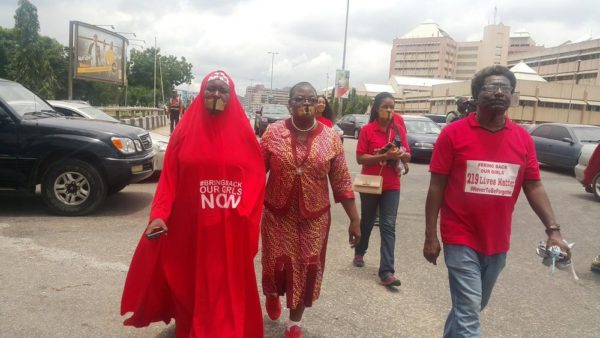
(302, 99)
(221, 89)
(493, 88)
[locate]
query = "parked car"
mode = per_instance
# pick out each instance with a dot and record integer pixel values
(81, 109)
(528, 126)
(437, 118)
(422, 133)
(351, 124)
(587, 170)
(268, 114)
(339, 131)
(559, 144)
(76, 162)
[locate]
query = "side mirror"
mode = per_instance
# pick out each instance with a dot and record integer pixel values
(568, 140)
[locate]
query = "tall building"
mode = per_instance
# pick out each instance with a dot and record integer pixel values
(521, 42)
(429, 51)
(426, 51)
(258, 95)
(571, 62)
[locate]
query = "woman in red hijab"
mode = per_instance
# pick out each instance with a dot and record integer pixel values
(209, 200)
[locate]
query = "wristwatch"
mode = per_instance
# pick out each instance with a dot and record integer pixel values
(553, 227)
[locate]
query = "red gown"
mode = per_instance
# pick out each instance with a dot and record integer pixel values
(210, 194)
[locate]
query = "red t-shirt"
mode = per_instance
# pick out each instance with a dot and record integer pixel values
(485, 173)
(325, 121)
(372, 138)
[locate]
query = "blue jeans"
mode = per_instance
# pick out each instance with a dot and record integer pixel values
(472, 277)
(387, 203)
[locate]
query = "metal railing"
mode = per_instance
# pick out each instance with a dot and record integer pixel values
(132, 112)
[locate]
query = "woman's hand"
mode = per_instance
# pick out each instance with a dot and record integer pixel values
(354, 232)
(405, 165)
(394, 153)
(157, 224)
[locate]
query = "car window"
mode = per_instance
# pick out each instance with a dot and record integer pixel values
(542, 131)
(559, 132)
(98, 114)
(67, 112)
(362, 119)
(422, 127)
(275, 109)
(587, 134)
(21, 99)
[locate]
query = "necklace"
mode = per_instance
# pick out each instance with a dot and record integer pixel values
(304, 130)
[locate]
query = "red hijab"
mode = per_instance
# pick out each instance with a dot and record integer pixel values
(210, 194)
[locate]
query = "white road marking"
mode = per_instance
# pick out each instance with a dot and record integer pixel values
(27, 245)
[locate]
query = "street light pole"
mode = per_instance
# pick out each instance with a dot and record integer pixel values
(272, 61)
(339, 112)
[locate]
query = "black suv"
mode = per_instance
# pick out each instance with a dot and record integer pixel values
(77, 162)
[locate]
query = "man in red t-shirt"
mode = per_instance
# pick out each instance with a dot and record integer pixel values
(478, 167)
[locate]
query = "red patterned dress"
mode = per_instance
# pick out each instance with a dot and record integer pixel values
(296, 217)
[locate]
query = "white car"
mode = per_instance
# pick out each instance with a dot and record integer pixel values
(82, 109)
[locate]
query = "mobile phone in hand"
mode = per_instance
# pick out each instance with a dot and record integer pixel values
(156, 234)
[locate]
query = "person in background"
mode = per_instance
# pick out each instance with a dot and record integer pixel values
(302, 156)
(323, 113)
(382, 147)
(479, 166)
(464, 106)
(207, 205)
(175, 110)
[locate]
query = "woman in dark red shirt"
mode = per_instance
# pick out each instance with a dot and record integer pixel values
(380, 152)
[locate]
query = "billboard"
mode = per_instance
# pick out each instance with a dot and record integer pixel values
(98, 54)
(342, 83)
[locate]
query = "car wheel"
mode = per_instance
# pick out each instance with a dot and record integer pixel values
(356, 133)
(73, 188)
(596, 186)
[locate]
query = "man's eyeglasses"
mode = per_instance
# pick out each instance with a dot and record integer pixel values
(302, 99)
(493, 88)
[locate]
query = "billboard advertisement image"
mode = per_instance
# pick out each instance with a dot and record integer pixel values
(342, 83)
(99, 54)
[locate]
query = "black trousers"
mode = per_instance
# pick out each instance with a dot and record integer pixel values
(174, 117)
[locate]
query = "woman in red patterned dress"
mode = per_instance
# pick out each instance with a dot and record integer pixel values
(301, 154)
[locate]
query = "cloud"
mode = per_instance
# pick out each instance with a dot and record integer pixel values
(235, 35)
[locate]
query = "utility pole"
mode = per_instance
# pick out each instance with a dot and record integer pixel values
(272, 62)
(154, 87)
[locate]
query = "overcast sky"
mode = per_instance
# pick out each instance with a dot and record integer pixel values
(235, 35)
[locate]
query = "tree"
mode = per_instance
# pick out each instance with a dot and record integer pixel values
(32, 61)
(141, 73)
(354, 104)
(7, 48)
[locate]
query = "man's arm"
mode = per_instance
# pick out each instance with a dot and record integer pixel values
(435, 197)
(539, 202)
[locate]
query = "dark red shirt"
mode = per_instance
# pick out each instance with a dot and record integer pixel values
(485, 173)
(372, 138)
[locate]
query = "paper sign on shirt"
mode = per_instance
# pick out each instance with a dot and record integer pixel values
(491, 178)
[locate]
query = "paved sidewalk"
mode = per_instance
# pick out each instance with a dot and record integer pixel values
(164, 130)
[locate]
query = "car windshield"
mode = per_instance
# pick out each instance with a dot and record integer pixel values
(422, 127)
(587, 134)
(23, 101)
(275, 109)
(97, 114)
(362, 119)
